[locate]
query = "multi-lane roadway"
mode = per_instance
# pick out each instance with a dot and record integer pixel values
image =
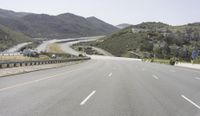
(103, 86)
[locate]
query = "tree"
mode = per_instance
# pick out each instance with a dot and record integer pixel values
(146, 46)
(166, 51)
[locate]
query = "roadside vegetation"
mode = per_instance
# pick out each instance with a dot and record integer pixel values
(196, 61)
(171, 61)
(161, 61)
(22, 58)
(86, 49)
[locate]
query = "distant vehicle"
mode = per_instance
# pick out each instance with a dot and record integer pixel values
(30, 53)
(53, 56)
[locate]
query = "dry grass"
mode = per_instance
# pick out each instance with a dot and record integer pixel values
(21, 58)
(54, 48)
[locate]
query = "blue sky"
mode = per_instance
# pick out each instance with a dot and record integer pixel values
(174, 12)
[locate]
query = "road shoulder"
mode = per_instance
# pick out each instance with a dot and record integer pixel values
(27, 69)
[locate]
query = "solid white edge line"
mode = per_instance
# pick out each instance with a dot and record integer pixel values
(190, 101)
(35, 81)
(29, 82)
(110, 75)
(154, 76)
(87, 98)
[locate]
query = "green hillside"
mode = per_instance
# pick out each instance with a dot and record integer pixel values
(9, 38)
(153, 39)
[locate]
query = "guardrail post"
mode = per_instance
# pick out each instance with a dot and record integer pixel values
(3, 66)
(6, 66)
(15, 64)
(9, 65)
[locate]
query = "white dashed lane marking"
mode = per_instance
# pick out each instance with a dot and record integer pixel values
(88, 97)
(190, 101)
(110, 75)
(155, 77)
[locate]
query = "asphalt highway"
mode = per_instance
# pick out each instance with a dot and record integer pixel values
(103, 86)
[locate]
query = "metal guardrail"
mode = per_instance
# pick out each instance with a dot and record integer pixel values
(10, 54)
(11, 64)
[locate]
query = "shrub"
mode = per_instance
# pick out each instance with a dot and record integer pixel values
(80, 48)
(151, 60)
(80, 55)
(172, 61)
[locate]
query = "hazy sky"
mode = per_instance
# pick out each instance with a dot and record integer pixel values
(174, 12)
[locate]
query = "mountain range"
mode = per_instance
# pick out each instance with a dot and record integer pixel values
(65, 25)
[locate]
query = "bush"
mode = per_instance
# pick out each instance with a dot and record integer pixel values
(172, 61)
(80, 55)
(151, 60)
(80, 48)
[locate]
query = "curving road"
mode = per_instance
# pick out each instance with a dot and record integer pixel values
(16, 48)
(66, 46)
